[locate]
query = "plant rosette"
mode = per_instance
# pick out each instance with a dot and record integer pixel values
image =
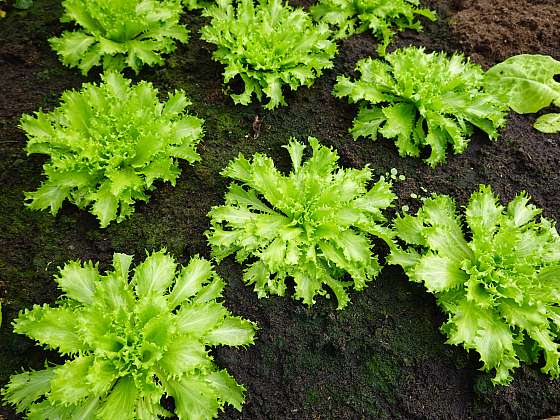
(314, 225)
(107, 144)
(422, 100)
(497, 279)
(382, 17)
(130, 343)
(119, 34)
(268, 46)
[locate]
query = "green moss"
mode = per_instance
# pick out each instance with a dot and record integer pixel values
(50, 73)
(384, 375)
(312, 397)
(37, 19)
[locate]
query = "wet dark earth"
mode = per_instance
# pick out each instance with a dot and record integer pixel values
(383, 356)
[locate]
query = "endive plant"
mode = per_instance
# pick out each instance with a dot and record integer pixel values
(315, 225)
(119, 34)
(495, 273)
(108, 143)
(131, 341)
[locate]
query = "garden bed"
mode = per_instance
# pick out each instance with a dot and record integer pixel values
(383, 356)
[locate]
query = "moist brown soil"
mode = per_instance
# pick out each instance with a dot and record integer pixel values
(383, 356)
(491, 31)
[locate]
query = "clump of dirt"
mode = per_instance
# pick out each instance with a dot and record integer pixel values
(492, 30)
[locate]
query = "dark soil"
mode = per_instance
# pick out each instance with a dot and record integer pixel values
(491, 31)
(382, 357)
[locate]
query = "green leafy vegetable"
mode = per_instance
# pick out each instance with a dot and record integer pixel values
(499, 283)
(421, 100)
(119, 33)
(313, 225)
(526, 83)
(548, 123)
(131, 342)
(268, 46)
(108, 144)
(382, 17)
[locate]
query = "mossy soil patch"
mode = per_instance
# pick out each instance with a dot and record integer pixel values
(382, 357)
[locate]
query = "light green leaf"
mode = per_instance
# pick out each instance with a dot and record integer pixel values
(121, 263)
(307, 286)
(154, 275)
(380, 196)
(25, 388)
(55, 328)
(273, 90)
(237, 195)
(176, 103)
(437, 140)
(197, 320)
(295, 149)
(438, 273)
(48, 195)
(105, 205)
(463, 327)
(71, 46)
(123, 180)
(520, 211)
(232, 332)
(410, 229)
(367, 123)
(354, 246)
(399, 123)
(38, 128)
(78, 282)
(525, 82)
(449, 243)
(189, 127)
(211, 291)
(68, 385)
(406, 259)
(101, 376)
(121, 402)
(548, 123)
(195, 398)
(190, 280)
(483, 211)
(338, 289)
(184, 355)
(47, 410)
(229, 390)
